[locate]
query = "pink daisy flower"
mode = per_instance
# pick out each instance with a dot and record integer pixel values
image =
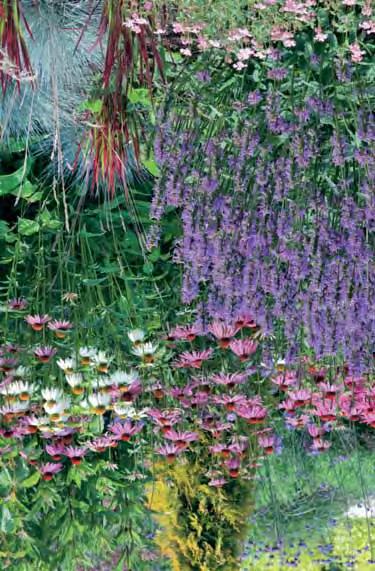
(193, 359)
(37, 322)
(17, 303)
(222, 332)
(44, 354)
(60, 328)
(49, 469)
(243, 348)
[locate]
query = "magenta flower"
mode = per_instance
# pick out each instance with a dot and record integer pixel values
(181, 439)
(75, 453)
(243, 348)
(102, 443)
(267, 443)
(37, 322)
(233, 465)
(60, 328)
(222, 449)
(217, 482)
(330, 391)
(170, 451)
(230, 402)
(193, 359)
(55, 451)
(319, 445)
(125, 430)
(49, 469)
(245, 319)
(300, 397)
(17, 303)
(253, 415)
(7, 364)
(325, 410)
(229, 380)
(285, 381)
(184, 333)
(44, 354)
(222, 332)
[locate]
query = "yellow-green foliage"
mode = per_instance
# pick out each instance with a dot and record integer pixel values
(201, 527)
(349, 540)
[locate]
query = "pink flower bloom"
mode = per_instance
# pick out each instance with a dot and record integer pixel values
(102, 443)
(268, 443)
(37, 322)
(125, 430)
(184, 333)
(181, 439)
(319, 35)
(319, 445)
(244, 318)
(170, 451)
(315, 431)
(229, 380)
(55, 450)
(243, 348)
(7, 364)
(330, 391)
(17, 303)
(75, 453)
(230, 402)
(217, 482)
(222, 332)
(44, 354)
(193, 359)
(49, 469)
(300, 397)
(283, 36)
(325, 410)
(356, 53)
(284, 381)
(60, 327)
(253, 415)
(233, 465)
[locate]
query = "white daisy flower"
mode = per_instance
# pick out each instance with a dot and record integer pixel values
(52, 395)
(136, 336)
(144, 349)
(56, 409)
(67, 365)
(119, 378)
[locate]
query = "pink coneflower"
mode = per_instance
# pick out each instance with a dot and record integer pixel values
(233, 465)
(217, 482)
(222, 332)
(55, 450)
(170, 451)
(60, 328)
(325, 410)
(102, 443)
(184, 333)
(284, 381)
(49, 469)
(75, 453)
(300, 397)
(243, 348)
(181, 439)
(157, 390)
(330, 391)
(318, 374)
(44, 354)
(245, 319)
(37, 322)
(17, 303)
(319, 445)
(315, 431)
(230, 402)
(7, 364)
(134, 389)
(229, 380)
(268, 443)
(125, 430)
(193, 359)
(253, 415)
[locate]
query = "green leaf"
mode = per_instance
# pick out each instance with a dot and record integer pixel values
(31, 480)
(28, 227)
(151, 166)
(9, 182)
(148, 268)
